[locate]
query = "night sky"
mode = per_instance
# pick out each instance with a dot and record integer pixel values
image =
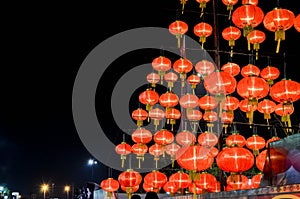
(43, 45)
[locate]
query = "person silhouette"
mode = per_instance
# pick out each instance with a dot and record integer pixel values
(136, 196)
(151, 195)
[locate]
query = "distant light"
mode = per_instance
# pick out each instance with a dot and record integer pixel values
(5, 197)
(1, 188)
(92, 162)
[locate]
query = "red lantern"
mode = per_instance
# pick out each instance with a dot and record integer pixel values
(170, 187)
(149, 98)
(231, 34)
(185, 138)
(123, 149)
(247, 17)
(161, 64)
(231, 68)
(172, 114)
(256, 37)
(255, 180)
(205, 180)
(178, 28)
(139, 115)
(156, 114)
(168, 99)
(252, 88)
(188, 101)
(250, 70)
(202, 5)
(210, 117)
(261, 159)
(130, 181)
(203, 30)
(285, 91)
(208, 139)
(171, 78)
(272, 139)
(239, 182)
(229, 4)
(227, 118)
(213, 151)
(207, 102)
(141, 135)
(285, 110)
(194, 189)
(155, 179)
(194, 116)
(270, 73)
(109, 185)
(297, 23)
(181, 179)
(139, 149)
(215, 188)
(129, 191)
(163, 137)
(230, 103)
(279, 20)
(266, 107)
(235, 139)
(171, 149)
(255, 142)
(204, 67)
(153, 78)
(248, 107)
(156, 150)
(252, 2)
(182, 66)
(193, 80)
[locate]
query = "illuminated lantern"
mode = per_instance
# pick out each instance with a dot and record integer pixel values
(141, 135)
(170, 187)
(231, 68)
(139, 149)
(163, 137)
(279, 20)
(213, 151)
(248, 107)
(129, 181)
(297, 23)
(185, 138)
(170, 78)
(178, 28)
(148, 188)
(208, 139)
(250, 70)
(285, 91)
(270, 73)
(255, 180)
(139, 115)
(148, 98)
(181, 179)
(182, 66)
(231, 34)
(266, 107)
(210, 117)
(247, 17)
(194, 158)
(204, 67)
(203, 30)
(153, 79)
(194, 189)
(235, 139)
(155, 179)
(109, 185)
(256, 37)
(156, 114)
(261, 159)
(194, 116)
(252, 2)
(229, 4)
(188, 101)
(215, 188)
(168, 99)
(207, 102)
(172, 114)
(171, 150)
(240, 183)
(220, 84)
(255, 142)
(193, 80)
(205, 180)
(227, 118)
(156, 150)
(161, 64)
(272, 139)
(285, 110)
(123, 149)
(202, 5)
(230, 103)
(235, 160)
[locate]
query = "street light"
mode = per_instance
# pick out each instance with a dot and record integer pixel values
(67, 190)
(44, 188)
(92, 162)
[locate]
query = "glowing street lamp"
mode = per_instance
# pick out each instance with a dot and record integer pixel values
(92, 162)
(67, 190)
(44, 189)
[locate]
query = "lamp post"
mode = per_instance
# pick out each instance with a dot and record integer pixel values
(92, 162)
(67, 190)
(44, 189)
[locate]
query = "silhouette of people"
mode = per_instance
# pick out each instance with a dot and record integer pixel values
(136, 196)
(151, 195)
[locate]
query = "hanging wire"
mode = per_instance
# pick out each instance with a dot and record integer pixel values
(284, 66)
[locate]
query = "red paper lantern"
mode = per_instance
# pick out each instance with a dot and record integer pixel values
(155, 179)
(255, 142)
(235, 139)
(248, 107)
(123, 149)
(255, 181)
(247, 17)
(193, 80)
(188, 101)
(170, 78)
(178, 28)
(181, 179)
(194, 189)
(163, 137)
(139, 115)
(170, 187)
(182, 66)
(130, 179)
(153, 78)
(156, 150)
(140, 150)
(230, 103)
(171, 149)
(208, 139)
(250, 70)
(207, 102)
(231, 68)
(229, 4)
(231, 34)
(252, 88)
(266, 107)
(285, 91)
(202, 5)
(141, 135)
(279, 20)
(261, 159)
(172, 114)
(149, 98)
(204, 67)
(109, 185)
(185, 138)
(156, 114)
(161, 64)
(272, 139)
(205, 181)
(215, 188)
(256, 37)
(297, 23)
(239, 182)
(168, 99)
(270, 73)
(252, 2)
(203, 30)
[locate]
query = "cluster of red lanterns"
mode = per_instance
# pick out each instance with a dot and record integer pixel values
(194, 152)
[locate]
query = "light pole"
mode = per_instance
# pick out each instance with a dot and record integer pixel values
(44, 189)
(67, 190)
(92, 162)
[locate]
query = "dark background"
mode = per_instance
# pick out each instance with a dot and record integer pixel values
(43, 45)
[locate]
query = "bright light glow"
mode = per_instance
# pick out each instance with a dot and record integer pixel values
(92, 162)
(1, 188)
(44, 187)
(67, 188)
